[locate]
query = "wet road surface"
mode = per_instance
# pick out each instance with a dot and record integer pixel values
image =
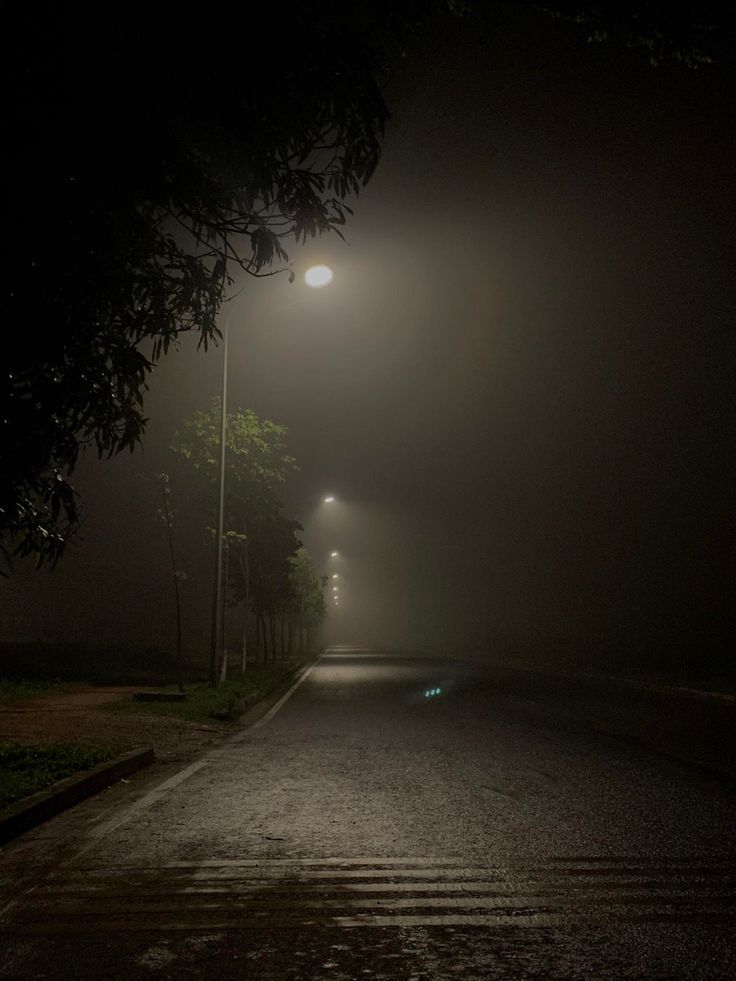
(397, 817)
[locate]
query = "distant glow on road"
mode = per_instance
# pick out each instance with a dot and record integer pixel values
(431, 692)
(318, 276)
(334, 555)
(328, 500)
(334, 589)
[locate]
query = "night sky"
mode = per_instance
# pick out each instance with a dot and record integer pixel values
(519, 386)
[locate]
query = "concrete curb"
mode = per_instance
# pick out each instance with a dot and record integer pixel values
(39, 807)
(246, 706)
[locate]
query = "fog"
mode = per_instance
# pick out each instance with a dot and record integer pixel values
(519, 386)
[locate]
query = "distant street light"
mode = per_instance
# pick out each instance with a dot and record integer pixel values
(328, 500)
(334, 555)
(335, 589)
(335, 575)
(318, 276)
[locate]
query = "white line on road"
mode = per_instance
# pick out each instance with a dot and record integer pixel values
(254, 894)
(158, 792)
(235, 921)
(274, 709)
(247, 863)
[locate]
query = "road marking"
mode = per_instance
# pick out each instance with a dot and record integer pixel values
(274, 894)
(292, 862)
(555, 866)
(274, 709)
(257, 900)
(226, 919)
(154, 795)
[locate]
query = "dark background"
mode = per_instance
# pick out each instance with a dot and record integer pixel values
(519, 386)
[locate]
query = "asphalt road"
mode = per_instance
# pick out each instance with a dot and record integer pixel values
(367, 829)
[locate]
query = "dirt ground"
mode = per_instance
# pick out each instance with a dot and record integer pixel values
(74, 716)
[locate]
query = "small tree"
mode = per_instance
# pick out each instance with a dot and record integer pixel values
(308, 607)
(258, 537)
(273, 543)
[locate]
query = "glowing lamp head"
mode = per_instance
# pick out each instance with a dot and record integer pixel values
(333, 555)
(318, 276)
(329, 499)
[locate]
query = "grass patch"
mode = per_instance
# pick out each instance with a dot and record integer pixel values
(27, 769)
(205, 704)
(16, 691)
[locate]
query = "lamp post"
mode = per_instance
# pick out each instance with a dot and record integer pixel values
(218, 613)
(316, 277)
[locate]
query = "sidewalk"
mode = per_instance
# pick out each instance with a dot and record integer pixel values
(74, 715)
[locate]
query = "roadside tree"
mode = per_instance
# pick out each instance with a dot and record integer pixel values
(153, 159)
(259, 538)
(308, 608)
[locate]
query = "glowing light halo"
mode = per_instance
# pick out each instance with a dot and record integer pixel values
(318, 276)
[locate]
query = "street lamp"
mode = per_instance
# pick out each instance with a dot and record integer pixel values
(217, 616)
(335, 575)
(316, 276)
(328, 500)
(334, 555)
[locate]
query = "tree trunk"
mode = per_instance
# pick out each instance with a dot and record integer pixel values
(272, 625)
(169, 520)
(244, 660)
(246, 571)
(223, 663)
(179, 654)
(262, 621)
